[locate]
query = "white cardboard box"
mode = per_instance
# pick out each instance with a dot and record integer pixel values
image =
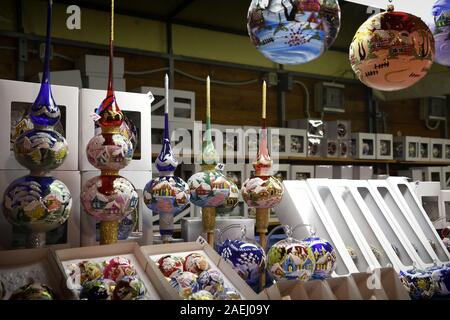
(323, 171)
(343, 172)
(314, 147)
(16, 97)
(278, 142)
(437, 150)
(385, 146)
(363, 145)
(425, 149)
(445, 178)
(297, 143)
(339, 129)
(100, 82)
(431, 173)
(88, 224)
(99, 65)
(362, 172)
(231, 278)
(233, 143)
(415, 174)
(70, 78)
(181, 104)
(330, 148)
(136, 105)
(72, 180)
(302, 172)
(447, 150)
(18, 266)
(407, 148)
(429, 195)
(251, 139)
(345, 148)
(129, 250)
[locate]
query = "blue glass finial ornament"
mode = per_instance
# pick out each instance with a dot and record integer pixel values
(166, 195)
(44, 111)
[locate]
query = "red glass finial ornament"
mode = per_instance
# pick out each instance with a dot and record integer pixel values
(109, 197)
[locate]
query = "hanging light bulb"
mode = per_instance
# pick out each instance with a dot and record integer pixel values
(109, 197)
(38, 203)
(166, 195)
(392, 50)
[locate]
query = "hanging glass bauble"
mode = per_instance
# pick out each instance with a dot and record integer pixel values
(246, 256)
(232, 200)
(109, 198)
(209, 188)
(293, 31)
(290, 259)
(440, 27)
(262, 192)
(109, 151)
(324, 255)
(166, 195)
(37, 204)
(392, 51)
(127, 129)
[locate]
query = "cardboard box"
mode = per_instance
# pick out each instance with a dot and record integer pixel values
(233, 143)
(67, 235)
(231, 278)
(385, 146)
(100, 82)
(447, 150)
(362, 172)
(430, 173)
(96, 65)
(192, 228)
(438, 150)
(343, 172)
(181, 104)
(330, 148)
(314, 147)
(445, 179)
(251, 139)
(323, 171)
(70, 78)
(129, 250)
(302, 172)
(344, 148)
(415, 174)
(339, 129)
(278, 143)
(145, 234)
(429, 195)
(363, 145)
(17, 97)
(425, 149)
(136, 106)
(17, 266)
(296, 146)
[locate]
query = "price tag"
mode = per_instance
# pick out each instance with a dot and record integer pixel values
(151, 97)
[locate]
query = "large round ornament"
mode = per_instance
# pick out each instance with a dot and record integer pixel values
(419, 284)
(109, 151)
(290, 259)
(440, 27)
(86, 270)
(117, 268)
(98, 289)
(211, 281)
(129, 288)
(324, 255)
(185, 283)
(262, 192)
(171, 265)
(195, 263)
(40, 150)
(33, 291)
(392, 51)
(293, 31)
(209, 188)
(109, 198)
(37, 204)
(441, 278)
(232, 200)
(166, 194)
(246, 258)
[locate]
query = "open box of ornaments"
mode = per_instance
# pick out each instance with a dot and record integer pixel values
(110, 272)
(194, 271)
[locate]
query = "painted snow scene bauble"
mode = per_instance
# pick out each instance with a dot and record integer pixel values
(129, 288)
(262, 192)
(109, 151)
(324, 255)
(232, 199)
(246, 258)
(392, 51)
(419, 284)
(209, 188)
(37, 204)
(290, 259)
(440, 27)
(166, 194)
(40, 150)
(109, 198)
(293, 31)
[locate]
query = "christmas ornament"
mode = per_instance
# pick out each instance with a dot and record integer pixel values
(201, 295)
(129, 288)
(166, 195)
(87, 271)
(419, 284)
(247, 258)
(441, 277)
(185, 283)
(211, 281)
(324, 256)
(33, 291)
(290, 259)
(440, 27)
(227, 294)
(171, 265)
(109, 197)
(392, 51)
(195, 263)
(38, 203)
(117, 268)
(293, 31)
(209, 188)
(98, 289)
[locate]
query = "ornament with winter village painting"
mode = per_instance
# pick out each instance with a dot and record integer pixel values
(293, 31)
(209, 188)
(38, 203)
(167, 194)
(440, 27)
(246, 256)
(109, 197)
(392, 50)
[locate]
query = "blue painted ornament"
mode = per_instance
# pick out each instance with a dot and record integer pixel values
(440, 27)
(419, 284)
(441, 277)
(324, 254)
(293, 31)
